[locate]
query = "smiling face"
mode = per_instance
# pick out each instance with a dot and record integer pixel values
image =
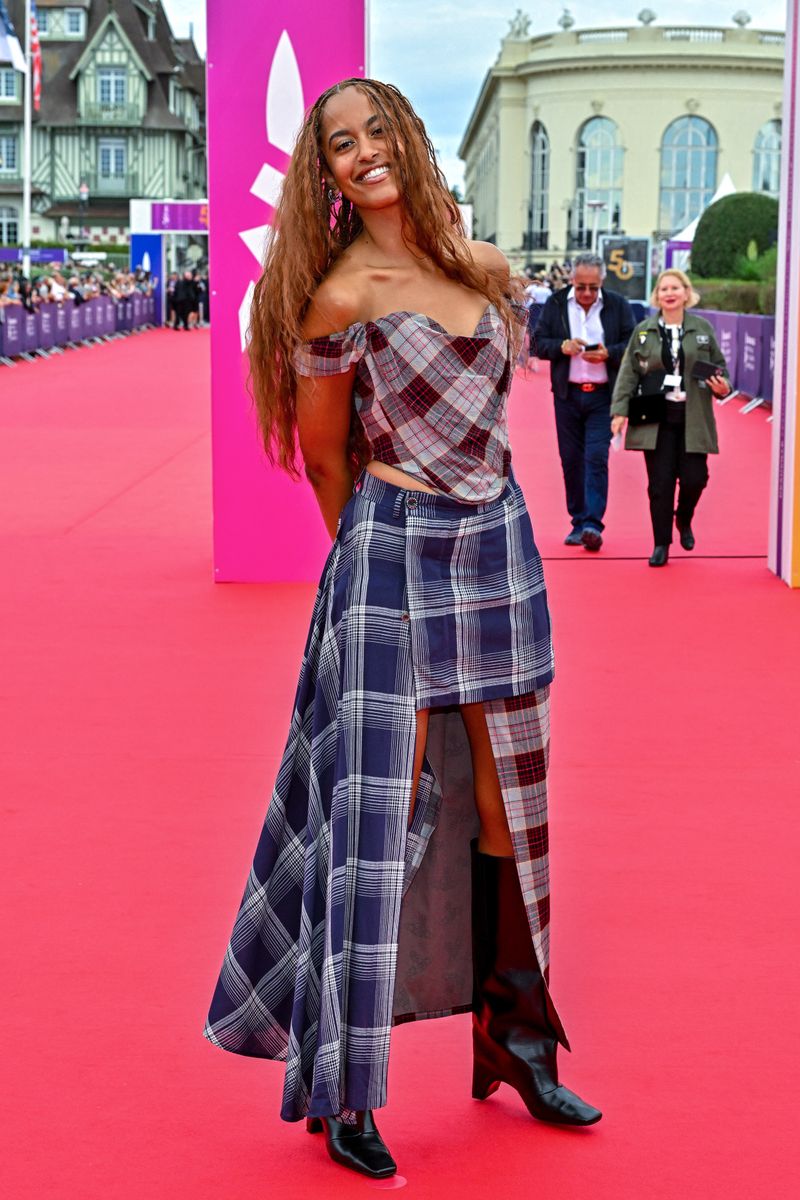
(672, 295)
(353, 142)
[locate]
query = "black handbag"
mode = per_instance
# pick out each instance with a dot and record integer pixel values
(649, 403)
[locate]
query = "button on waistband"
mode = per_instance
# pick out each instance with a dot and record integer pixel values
(411, 502)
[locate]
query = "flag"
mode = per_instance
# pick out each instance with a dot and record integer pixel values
(10, 49)
(36, 60)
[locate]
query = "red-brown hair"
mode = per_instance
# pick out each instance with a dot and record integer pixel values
(310, 236)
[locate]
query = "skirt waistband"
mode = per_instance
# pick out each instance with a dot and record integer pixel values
(389, 495)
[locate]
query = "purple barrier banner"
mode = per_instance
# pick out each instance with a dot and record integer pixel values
(150, 310)
(109, 315)
(727, 327)
(12, 330)
(30, 336)
(87, 312)
(62, 322)
(768, 359)
(76, 322)
(124, 315)
(751, 333)
(47, 326)
(138, 319)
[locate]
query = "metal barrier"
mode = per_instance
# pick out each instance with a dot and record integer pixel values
(51, 327)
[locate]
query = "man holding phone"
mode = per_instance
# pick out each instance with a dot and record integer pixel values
(583, 330)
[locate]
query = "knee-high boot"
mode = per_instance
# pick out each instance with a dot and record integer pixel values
(514, 1040)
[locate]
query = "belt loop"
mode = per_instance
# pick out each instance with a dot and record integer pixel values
(398, 504)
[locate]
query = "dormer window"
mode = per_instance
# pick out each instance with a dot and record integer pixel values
(151, 28)
(112, 86)
(74, 22)
(43, 21)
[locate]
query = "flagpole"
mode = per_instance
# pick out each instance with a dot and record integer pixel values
(26, 150)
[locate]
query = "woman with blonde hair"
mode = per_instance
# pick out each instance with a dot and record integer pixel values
(671, 372)
(384, 342)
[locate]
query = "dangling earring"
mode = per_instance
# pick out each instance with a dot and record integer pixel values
(333, 195)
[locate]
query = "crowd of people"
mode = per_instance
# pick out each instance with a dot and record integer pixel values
(55, 286)
(660, 376)
(187, 299)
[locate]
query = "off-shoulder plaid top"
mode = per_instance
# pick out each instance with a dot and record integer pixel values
(432, 404)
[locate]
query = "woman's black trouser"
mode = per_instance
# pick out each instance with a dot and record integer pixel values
(668, 464)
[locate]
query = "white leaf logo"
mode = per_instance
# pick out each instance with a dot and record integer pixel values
(284, 96)
(285, 112)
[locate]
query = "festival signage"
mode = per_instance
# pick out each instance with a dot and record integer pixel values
(748, 375)
(76, 322)
(266, 527)
(767, 359)
(12, 331)
(179, 216)
(47, 328)
(627, 261)
(727, 328)
(62, 322)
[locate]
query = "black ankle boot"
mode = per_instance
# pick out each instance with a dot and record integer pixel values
(659, 557)
(685, 533)
(359, 1147)
(514, 1034)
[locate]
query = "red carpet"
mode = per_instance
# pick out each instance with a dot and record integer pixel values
(144, 711)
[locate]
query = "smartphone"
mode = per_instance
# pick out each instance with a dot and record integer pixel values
(592, 346)
(704, 370)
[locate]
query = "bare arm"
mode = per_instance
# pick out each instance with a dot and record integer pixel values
(324, 406)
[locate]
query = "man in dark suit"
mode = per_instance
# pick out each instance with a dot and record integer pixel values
(184, 299)
(584, 330)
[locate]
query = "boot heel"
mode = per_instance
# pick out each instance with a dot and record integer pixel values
(484, 1081)
(314, 1125)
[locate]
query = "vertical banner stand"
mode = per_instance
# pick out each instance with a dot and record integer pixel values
(266, 527)
(784, 530)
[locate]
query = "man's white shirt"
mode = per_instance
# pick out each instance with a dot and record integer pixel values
(588, 327)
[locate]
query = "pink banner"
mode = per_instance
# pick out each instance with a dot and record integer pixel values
(266, 65)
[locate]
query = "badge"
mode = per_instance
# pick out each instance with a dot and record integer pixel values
(702, 339)
(643, 338)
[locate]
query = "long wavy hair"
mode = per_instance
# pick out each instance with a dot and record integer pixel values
(311, 234)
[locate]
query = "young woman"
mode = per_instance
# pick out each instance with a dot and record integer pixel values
(676, 448)
(385, 342)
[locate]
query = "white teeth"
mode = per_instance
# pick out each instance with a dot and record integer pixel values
(374, 173)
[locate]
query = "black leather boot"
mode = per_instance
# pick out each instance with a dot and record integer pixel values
(659, 557)
(685, 533)
(359, 1147)
(514, 1033)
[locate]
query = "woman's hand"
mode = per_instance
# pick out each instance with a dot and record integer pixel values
(719, 386)
(617, 424)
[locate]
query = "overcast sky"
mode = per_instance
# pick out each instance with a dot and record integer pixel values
(438, 51)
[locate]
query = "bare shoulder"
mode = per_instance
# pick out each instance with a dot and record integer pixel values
(334, 306)
(491, 258)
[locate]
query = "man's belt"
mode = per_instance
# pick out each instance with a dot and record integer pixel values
(590, 387)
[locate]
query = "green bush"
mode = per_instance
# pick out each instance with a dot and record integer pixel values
(763, 268)
(744, 225)
(734, 295)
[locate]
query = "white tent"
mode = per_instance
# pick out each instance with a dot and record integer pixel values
(726, 188)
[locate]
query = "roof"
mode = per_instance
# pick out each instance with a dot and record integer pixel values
(162, 59)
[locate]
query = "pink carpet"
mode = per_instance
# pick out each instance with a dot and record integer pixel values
(144, 711)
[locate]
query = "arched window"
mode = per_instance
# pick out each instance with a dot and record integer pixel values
(688, 171)
(598, 182)
(767, 159)
(9, 226)
(538, 215)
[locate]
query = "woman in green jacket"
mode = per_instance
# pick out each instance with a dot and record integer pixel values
(676, 448)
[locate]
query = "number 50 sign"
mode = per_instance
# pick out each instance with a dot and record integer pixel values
(627, 262)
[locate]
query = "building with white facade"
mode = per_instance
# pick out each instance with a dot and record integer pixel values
(625, 130)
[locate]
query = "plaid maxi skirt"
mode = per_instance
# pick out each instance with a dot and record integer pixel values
(351, 920)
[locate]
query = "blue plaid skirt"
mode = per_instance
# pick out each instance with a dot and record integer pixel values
(351, 921)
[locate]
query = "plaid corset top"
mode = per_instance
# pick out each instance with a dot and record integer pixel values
(433, 404)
